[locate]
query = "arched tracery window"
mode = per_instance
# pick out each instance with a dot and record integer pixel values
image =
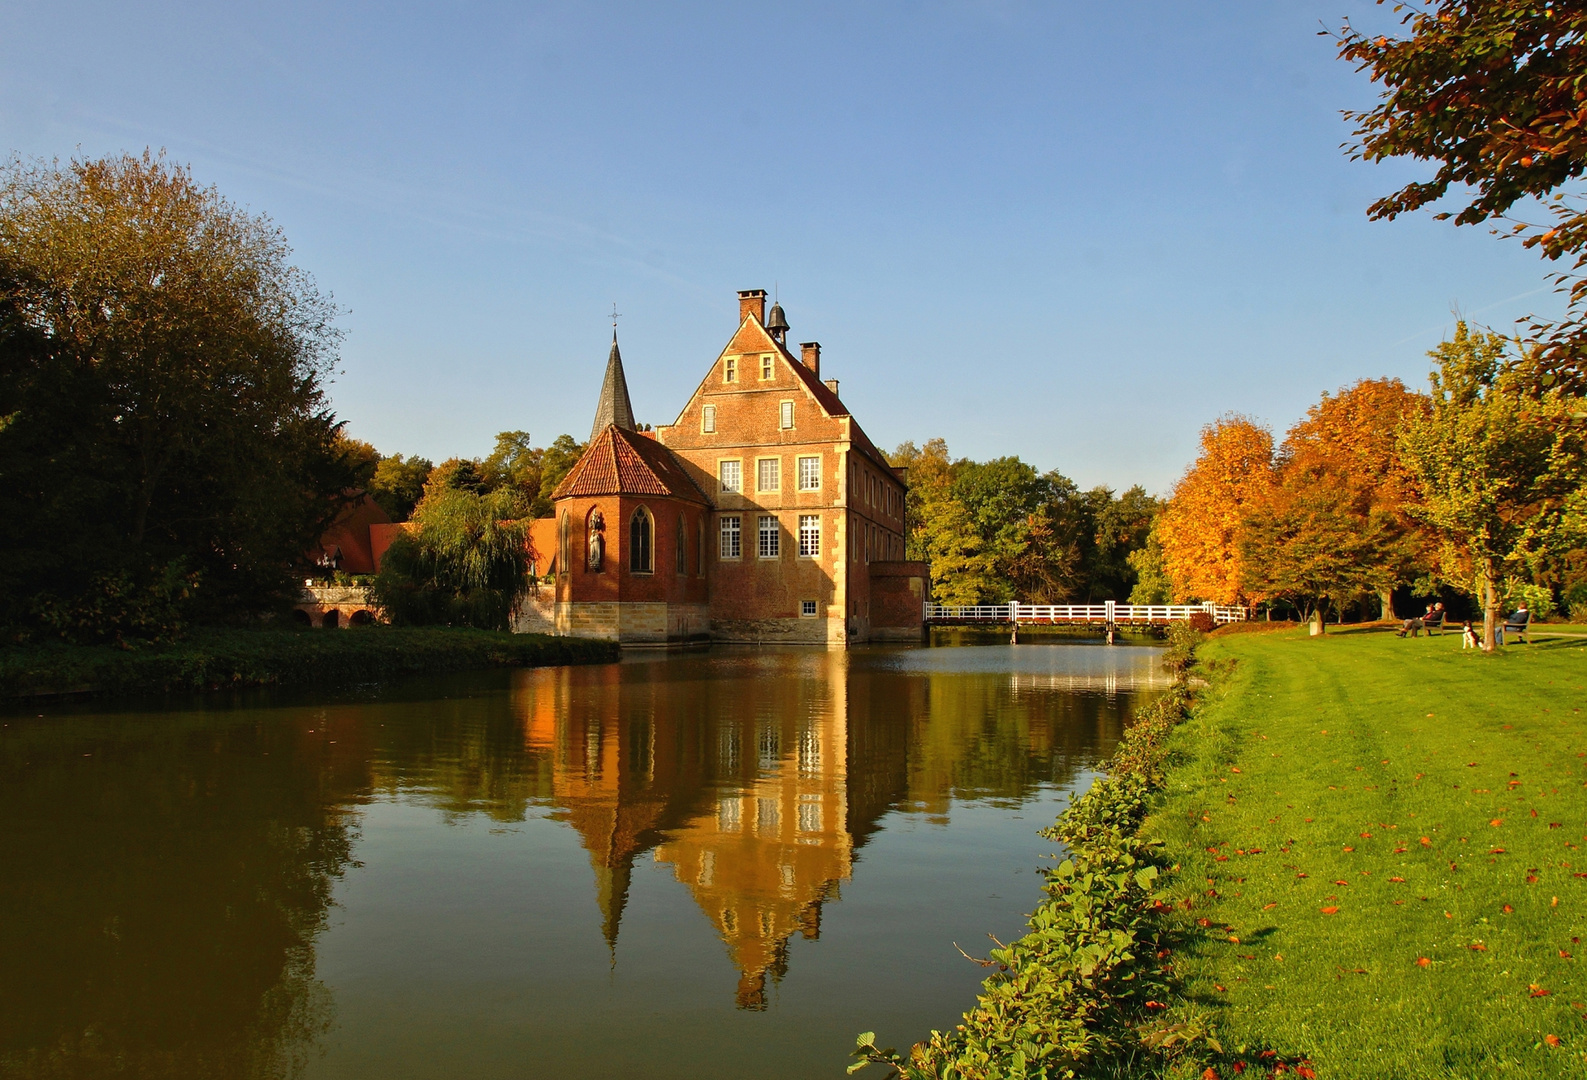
(639, 541)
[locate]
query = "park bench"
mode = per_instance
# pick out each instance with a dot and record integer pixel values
(1519, 625)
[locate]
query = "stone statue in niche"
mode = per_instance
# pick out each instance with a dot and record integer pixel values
(597, 541)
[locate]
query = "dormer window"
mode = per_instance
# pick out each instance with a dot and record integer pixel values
(765, 368)
(730, 369)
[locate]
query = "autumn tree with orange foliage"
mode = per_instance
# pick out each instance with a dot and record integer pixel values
(1201, 526)
(1337, 525)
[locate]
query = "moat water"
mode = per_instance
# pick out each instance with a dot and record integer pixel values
(716, 864)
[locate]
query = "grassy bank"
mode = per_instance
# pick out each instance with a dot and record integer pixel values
(1389, 842)
(213, 659)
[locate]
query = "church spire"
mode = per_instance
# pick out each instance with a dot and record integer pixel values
(614, 406)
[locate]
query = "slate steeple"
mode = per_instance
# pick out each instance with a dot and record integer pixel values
(614, 406)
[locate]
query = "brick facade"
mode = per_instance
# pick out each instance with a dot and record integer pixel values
(787, 507)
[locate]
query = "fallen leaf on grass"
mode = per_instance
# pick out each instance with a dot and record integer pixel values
(1422, 961)
(1397, 880)
(1477, 947)
(1426, 842)
(1400, 850)
(1563, 955)
(1496, 851)
(1531, 879)
(1496, 822)
(1538, 991)
(1269, 907)
(1330, 910)
(1552, 1040)
(1220, 989)
(1507, 909)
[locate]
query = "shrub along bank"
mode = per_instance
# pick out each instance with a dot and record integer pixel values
(1387, 840)
(1083, 991)
(214, 659)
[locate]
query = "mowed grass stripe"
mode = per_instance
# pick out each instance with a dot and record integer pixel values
(1384, 837)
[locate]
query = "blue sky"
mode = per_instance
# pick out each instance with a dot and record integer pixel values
(1071, 232)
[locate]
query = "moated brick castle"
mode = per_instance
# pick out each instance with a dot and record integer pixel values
(763, 514)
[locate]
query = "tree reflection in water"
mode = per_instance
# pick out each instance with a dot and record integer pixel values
(165, 878)
(167, 872)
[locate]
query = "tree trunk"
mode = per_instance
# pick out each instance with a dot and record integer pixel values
(1386, 602)
(1319, 625)
(1490, 606)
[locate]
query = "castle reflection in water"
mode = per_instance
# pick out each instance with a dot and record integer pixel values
(757, 792)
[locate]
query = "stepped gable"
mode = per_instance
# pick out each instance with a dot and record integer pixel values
(622, 462)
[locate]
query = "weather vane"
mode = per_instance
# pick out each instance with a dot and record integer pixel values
(615, 316)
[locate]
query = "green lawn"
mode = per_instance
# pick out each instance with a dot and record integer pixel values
(1382, 836)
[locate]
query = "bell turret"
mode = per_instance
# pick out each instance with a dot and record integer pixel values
(777, 324)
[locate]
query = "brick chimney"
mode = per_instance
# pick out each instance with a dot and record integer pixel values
(832, 385)
(811, 355)
(752, 302)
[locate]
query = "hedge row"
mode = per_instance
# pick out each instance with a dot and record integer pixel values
(216, 659)
(1078, 994)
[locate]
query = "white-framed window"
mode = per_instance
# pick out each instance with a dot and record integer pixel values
(809, 535)
(768, 537)
(807, 609)
(730, 475)
(809, 474)
(730, 369)
(785, 415)
(768, 474)
(732, 527)
(708, 419)
(765, 368)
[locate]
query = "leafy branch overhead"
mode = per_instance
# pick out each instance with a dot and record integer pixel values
(1495, 93)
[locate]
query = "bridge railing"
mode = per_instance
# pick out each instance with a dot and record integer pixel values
(1105, 614)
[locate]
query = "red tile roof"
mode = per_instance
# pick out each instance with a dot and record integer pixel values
(620, 462)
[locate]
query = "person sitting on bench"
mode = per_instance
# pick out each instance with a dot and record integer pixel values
(1516, 624)
(1413, 627)
(1434, 619)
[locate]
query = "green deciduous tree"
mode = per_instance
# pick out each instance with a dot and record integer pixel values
(465, 564)
(162, 369)
(398, 484)
(1498, 466)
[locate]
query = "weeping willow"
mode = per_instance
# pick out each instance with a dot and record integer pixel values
(465, 563)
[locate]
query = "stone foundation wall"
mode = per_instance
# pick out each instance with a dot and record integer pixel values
(796, 631)
(631, 623)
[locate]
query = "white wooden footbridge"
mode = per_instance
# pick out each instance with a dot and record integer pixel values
(1106, 616)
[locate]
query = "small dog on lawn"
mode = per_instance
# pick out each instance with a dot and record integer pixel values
(1468, 637)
